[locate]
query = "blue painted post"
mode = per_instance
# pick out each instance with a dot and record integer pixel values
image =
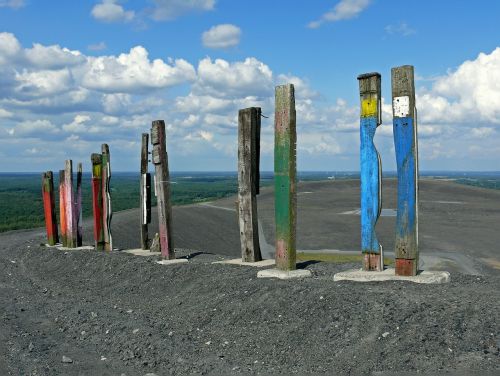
(370, 170)
(406, 145)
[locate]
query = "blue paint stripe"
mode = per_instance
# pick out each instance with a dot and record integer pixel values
(370, 185)
(404, 141)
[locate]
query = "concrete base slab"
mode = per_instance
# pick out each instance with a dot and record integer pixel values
(257, 264)
(172, 262)
(359, 275)
(84, 248)
(141, 252)
(282, 274)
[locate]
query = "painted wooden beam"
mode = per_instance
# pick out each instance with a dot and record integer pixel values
(370, 170)
(78, 206)
(406, 145)
(145, 192)
(96, 160)
(70, 205)
(49, 207)
(107, 213)
(62, 208)
(248, 139)
(162, 187)
(285, 190)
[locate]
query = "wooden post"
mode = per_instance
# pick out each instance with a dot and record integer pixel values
(62, 208)
(162, 187)
(96, 160)
(78, 207)
(145, 192)
(70, 205)
(285, 192)
(248, 138)
(49, 208)
(405, 141)
(107, 213)
(370, 170)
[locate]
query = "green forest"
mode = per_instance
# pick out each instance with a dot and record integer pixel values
(21, 204)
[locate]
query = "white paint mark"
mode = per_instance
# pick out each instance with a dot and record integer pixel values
(144, 197)
(401, 106)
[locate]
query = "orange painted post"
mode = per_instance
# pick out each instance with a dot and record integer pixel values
(107, 213)
(49, 208)
(78, 207)
(96, 182)
(62, 208)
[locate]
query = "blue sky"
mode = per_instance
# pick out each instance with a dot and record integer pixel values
(75, 74)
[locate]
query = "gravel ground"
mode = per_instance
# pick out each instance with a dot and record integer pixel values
(117, 314)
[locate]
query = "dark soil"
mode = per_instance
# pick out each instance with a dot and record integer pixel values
(115, 314)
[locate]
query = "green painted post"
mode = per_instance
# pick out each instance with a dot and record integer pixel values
(285, 192)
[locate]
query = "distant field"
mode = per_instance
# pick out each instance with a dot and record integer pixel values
(21, 204)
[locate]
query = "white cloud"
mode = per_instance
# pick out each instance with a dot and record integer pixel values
(221, 78)
(171, 9)
(78, 125)
(52, 56)
(222, 36)
(344, 10)
(134, 72)
(401, 28)
(14, 4)
(5, 113)
(482, 132)
(43, 82)
(111, 11)
(97, 46)
(471, 93)
(201, 103)
(9, 47)
(38, 128)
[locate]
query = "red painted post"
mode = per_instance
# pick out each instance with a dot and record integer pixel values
(96, 182)
(106, 198)
(62, 208)
(78, 206)
(49, 208)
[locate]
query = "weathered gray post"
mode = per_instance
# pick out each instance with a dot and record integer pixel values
(62, 208)
(145, 192)
(78, 207)
(162, 187)
(248, 184)
(107, 213)
(370, 170)
(70, 205)
(405, 141)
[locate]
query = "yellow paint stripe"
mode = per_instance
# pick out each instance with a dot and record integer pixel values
(369, 107)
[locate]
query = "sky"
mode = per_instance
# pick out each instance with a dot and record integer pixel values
(76, 74)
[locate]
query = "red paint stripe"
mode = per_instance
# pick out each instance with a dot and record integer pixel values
(406, 267)
(97, 205)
